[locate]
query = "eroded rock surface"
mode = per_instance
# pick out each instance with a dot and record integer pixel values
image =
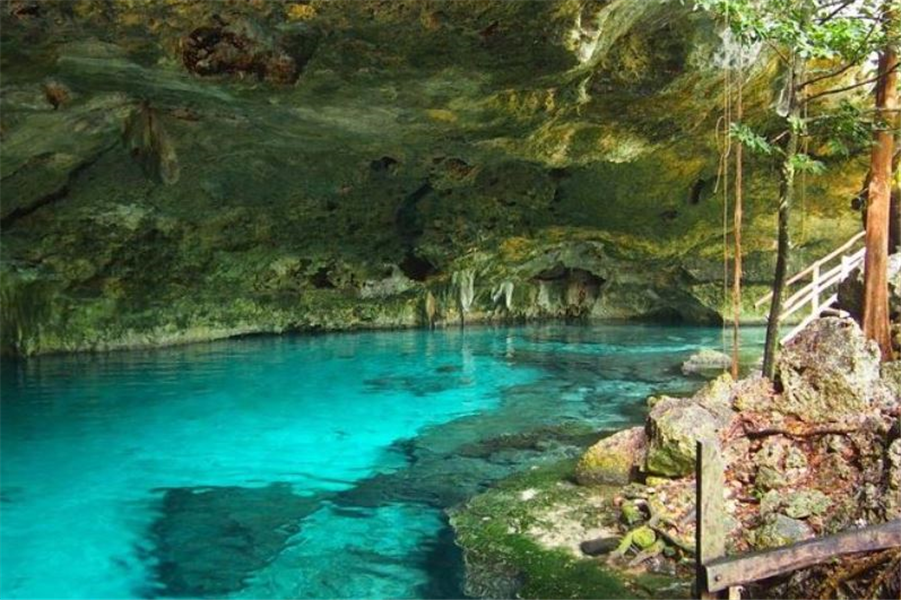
(563, 154)
(828, 372)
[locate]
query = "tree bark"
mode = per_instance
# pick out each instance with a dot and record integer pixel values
(786, 196)
(875, 301)
(736, 224)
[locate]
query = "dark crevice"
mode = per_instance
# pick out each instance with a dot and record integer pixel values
(408, 220)
(696, 191)
(320, 279)
(416, 268)
(54, 196)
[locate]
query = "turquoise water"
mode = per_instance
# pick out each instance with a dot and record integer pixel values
(301, 466)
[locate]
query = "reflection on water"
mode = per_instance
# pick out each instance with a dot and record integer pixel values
(307, 466)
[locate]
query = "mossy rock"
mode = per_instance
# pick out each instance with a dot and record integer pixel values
(507, 556)
(613, 460)
(675, 426)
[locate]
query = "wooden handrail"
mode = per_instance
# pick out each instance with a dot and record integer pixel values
(735, 570)
(716, 572)
(798, 276)
(819, 284)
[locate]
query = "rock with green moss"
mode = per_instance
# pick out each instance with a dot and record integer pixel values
(675, 426)
(531, 548)
(796, 504)
(780, 530)
(613, 460)
(644, 537)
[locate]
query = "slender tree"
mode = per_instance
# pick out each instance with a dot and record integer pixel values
(802, 36)
(875, 301)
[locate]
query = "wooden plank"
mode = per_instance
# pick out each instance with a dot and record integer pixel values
(710, 533)
(724, 572)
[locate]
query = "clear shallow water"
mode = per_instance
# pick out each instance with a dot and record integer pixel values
(320, 465)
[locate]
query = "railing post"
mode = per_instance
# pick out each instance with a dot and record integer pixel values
(710, 517)
(815, 298)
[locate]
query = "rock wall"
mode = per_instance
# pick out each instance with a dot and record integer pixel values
(176, 171)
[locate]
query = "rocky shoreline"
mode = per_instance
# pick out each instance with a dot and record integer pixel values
(816, 452)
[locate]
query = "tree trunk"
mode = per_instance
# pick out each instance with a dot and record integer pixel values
(875, 300)
(736, 223)
(786, 195)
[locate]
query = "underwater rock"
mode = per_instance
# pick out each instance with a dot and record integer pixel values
(208, 540)
(613, 460)
(828, 372)
(706, 361)
(57, 93)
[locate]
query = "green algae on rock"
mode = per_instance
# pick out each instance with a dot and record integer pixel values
(521, 539)
(321, 147)
(613, 460)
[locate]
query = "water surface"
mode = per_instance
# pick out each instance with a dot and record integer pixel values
(299, 466)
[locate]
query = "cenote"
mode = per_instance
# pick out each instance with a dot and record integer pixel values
(299, 466)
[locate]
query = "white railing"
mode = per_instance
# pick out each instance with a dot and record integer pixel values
(822, 280)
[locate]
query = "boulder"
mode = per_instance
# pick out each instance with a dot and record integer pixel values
(706, 361)
(675, 425)
(779, 530)
(614, 459)
(716, 397)
(828, 371)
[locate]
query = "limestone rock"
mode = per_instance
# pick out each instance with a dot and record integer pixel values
(893, 499)
(797, 504)
(890, 373)
(754, 394)
(779, 530)
(706, 361)
(614, 459)
(716, 397)
(828, 371)
(675, 425)
(778, 463)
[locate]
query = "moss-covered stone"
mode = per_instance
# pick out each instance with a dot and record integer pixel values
(675, 426)
(614, 459)
(530, 548)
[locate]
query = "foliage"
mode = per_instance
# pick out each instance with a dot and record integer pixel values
(827, 40)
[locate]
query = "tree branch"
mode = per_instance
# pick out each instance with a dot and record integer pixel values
(853, 85)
